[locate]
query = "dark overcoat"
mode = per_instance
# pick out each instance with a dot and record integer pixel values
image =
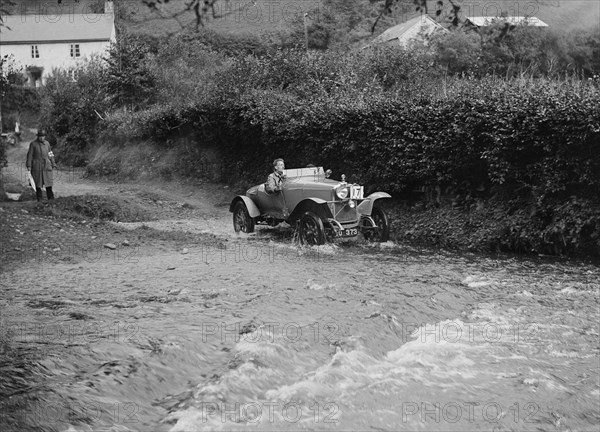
(40, 164)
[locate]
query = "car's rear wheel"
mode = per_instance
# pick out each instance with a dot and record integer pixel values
(382, 232)
(241, 218)
(311, 230)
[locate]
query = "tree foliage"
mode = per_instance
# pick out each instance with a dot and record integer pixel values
(129, 81)
(5, 9)
(71, 110)
(14, 98)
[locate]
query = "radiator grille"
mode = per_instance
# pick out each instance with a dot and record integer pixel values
(344, 213)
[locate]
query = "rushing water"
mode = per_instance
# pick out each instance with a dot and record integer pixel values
(264, 336)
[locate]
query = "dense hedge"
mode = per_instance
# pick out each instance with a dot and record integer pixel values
(543, 139)
(71, 112)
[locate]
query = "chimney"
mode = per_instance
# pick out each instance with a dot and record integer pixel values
(109, 7)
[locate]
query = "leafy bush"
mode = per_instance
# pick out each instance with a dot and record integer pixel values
(227, 44)
(184, 70)
(14, 98)
(533, 51)
(128, 80)
(71, 111)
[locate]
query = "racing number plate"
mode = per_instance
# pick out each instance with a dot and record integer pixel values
(356, 192)
(349, 232)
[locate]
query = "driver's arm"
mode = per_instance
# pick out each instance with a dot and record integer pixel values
(271, 184)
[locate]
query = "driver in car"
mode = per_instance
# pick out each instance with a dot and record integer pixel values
(277, 178)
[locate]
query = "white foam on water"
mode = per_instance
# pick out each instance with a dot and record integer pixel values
(312, 285)
(78, 428)
(423, 361)
(449, 362)
(570, 354)
(260, 359)
(384, 246)
(326, 249)
(350, 379)
(568, 290)
(572, 291)
(387, 245)
(253, 343)
(489, 313)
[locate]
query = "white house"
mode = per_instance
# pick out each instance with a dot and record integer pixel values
(40, 43)
(484, 21)
(418, 28)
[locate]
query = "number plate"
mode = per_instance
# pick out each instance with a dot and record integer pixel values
(349, 232)
(356, 192)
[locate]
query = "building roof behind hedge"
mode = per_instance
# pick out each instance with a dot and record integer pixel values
(397, 31)
(35, 28)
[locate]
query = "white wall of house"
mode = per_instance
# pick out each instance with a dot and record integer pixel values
(53, 33)
(53, 55)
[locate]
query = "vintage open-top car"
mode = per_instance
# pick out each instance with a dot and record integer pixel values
(321, 209)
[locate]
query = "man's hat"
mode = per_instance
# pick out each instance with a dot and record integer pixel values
(41, 132)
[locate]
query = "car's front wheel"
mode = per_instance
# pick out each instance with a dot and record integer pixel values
(311, 230)
(241, 218)
(381, 231)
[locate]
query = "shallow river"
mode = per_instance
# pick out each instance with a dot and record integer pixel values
(260, 335)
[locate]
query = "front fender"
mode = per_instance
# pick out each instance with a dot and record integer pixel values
(253, 210)
(316, 205)
(365, 207)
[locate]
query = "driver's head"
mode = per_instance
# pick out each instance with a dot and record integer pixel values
(278, 165)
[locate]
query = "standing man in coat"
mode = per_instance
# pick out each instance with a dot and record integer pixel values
(40, 162)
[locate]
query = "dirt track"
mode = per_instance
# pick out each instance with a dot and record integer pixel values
(80, 218)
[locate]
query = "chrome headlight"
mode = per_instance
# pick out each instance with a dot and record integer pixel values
(342, 192)
(352, 203)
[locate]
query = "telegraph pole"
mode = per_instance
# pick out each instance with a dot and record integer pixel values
(306, 31)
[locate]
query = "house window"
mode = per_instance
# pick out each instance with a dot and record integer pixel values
(75, 50)
(34, 52)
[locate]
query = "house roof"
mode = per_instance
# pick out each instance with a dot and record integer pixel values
(483, 21)
(28, 29)
(397, 31)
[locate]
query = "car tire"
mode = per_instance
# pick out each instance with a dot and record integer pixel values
(311, 230)
(382, 233)
(241, 219)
